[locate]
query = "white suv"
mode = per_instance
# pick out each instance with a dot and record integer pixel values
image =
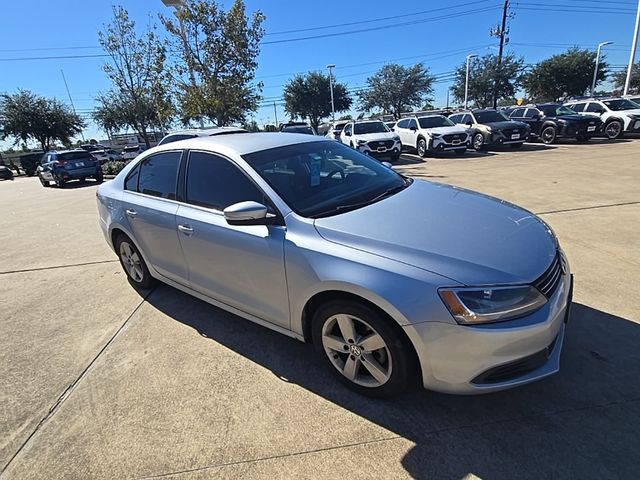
(433, 133)
(372, 137)
(619, 115)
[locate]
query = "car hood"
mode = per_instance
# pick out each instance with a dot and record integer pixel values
(468, 237)
(446, 130)
(375, 137)
(506, 124)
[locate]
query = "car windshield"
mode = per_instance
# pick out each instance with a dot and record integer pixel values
(369, 127)
(556, 110)
(490, 116)
(621, 104)
(319, 179)
(434, 122)
(75, 156)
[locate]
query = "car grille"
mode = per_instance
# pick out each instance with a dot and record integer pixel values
(550, 279)
(378, 144)
(510, 131)
(451, 137)
(515, 369)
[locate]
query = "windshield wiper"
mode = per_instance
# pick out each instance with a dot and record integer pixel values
(353, 206)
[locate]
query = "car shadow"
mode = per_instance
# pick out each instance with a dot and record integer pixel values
(76, 184)
(580, 423)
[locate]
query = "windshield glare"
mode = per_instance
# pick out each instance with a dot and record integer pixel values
(490, 117)
(324, 178)
(434, 122)
(369, 127)
(621, 104)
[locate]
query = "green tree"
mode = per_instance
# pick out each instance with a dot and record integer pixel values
(563, 75)
(140, 94)
(395, 89)
(619, 79)
(26, 116)
(309, 96)
(487, 77)
(215, 72)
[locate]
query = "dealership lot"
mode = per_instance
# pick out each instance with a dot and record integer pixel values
(99, 380)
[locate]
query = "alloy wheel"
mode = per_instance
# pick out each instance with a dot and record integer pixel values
(548, 135)
(356, 350)
(422, 147)
(478, 141)
(613, 129)
(131, 262)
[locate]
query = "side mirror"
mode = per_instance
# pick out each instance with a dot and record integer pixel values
(600, 111)
(247, 213)
(413, 128)
(469, 123)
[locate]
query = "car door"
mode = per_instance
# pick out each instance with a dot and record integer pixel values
(345, 135)
(533, 118)
(412, 133)
(401, 130)
(241, 266)
(150, 206)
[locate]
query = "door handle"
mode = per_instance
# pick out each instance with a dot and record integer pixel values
(186, 229)
(131, 212)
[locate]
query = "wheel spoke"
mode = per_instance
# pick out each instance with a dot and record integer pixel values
(371, 342)
(374, 368)
(137, 273)
(346, 327)
(334, 343)
(351, 368)
(127, 249)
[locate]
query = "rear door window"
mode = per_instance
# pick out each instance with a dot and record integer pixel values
(158, 175)
(577, 107)
(531, 112)
(518, 112)
(594, 107)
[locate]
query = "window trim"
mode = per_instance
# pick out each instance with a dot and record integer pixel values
(279, 218)
(138, 166)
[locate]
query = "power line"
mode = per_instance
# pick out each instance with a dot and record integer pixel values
(57, 57)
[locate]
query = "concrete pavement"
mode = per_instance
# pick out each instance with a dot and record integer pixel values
(97, 381)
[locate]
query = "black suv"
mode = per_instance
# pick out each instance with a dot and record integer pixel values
(297, 127)
(490, 128)
(549, 121)
(66, 165)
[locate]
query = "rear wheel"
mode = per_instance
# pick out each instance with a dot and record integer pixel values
(548, 135)
(99, 177)
(613, 129)
(133, 263)
(363, 348)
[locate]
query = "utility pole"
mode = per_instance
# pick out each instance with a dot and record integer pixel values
(466, 82)
(70, 99)
(275, 113)
(632, 57)
(333, 110)
(595, 70)
(501, 32)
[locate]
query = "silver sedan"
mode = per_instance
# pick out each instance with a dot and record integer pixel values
(394, 280)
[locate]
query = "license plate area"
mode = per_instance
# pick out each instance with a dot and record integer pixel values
(591, 128)
(456, 142)
(515, 136)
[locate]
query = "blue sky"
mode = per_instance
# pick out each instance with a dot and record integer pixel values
(440, 34)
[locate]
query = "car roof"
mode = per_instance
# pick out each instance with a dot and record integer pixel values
(206, 132)
(367, 121)
(242, 144)
(68, 151)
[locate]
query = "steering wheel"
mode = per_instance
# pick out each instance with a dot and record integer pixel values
(337, 170)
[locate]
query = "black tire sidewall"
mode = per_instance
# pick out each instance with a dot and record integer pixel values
(549, 127)
(403, 370)
(147, 280)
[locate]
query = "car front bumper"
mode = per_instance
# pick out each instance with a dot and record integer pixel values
(381, 151)
(477, 359)
(498, 138)
(634, 126)
(438, 144)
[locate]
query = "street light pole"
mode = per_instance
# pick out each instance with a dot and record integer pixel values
(466, 82)
(632, 57)
(333, 109)
(595, 71)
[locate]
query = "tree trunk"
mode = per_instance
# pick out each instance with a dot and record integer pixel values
(145, 136)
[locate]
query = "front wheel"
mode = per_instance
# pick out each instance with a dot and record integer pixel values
(45, 183)
(422, 147)
(363, 348)
(60, 183)
(613, 130)
(478, 141)
(548, 135)
(394, 158)
(133, 263)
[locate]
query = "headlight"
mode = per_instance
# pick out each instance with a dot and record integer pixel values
(491, 304)
(362, 142)
(435, 135)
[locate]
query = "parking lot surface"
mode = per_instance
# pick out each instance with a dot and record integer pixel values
(98, 380)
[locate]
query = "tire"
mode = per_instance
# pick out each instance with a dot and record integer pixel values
(99, 177)
(548, 135)
(478, 141)
(60, 183)
(133, 264)
(614, 129)
(348, 356)
(421, 146)
(461, 152)
(394, 158)
(515, 146)
(44, 183)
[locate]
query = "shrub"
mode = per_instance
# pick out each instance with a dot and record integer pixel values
(113, 168)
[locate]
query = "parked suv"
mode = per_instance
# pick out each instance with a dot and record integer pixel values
(618, 115)
(131, 151)
(30, 161)
(64, 166)
(372, 137)
(549, 121)
(335, 128)
(491, 128)
(104, 156)
(432, 133)
(297, 127)
(200, 132)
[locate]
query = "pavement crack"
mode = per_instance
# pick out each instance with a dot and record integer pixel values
(593, 207)
(436, 431)
(72, 386)
(37, 269)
